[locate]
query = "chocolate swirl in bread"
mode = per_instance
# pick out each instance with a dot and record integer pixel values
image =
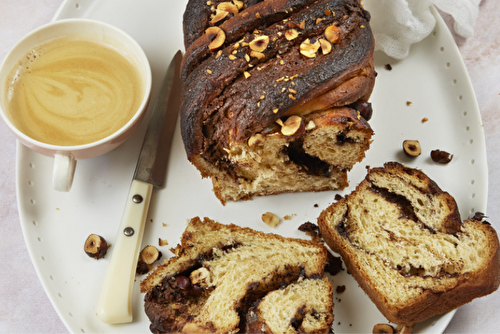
(402, 239)
(228, 279)
(278, 59)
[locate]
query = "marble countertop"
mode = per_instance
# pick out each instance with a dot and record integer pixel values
(24, 306)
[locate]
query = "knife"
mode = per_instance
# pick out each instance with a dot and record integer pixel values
(115, 302)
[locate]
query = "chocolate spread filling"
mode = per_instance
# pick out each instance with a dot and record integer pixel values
(405, 207)
(310, 164)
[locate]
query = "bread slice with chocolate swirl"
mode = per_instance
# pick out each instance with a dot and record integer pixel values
(228, 279)
(403, 240)
(276, 93)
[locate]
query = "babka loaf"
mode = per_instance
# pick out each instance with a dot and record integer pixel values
(402, 239)
(228, 279)
(275, 93)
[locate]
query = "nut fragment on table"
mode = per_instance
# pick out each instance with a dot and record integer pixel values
(270, 219)
(96, 246)
(441, 157)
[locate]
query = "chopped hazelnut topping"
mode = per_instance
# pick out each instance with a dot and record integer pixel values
(275, 110)
(255, 139)
(218, 16)
(333, 33)
(309, 49)
(318, 20)
(257, 15)
(258, 55)
(219, 53)
(291, 34)
(293, 91)
(209, 71)
(232, 57)
(227, 7)
(294, 125)
(238, 3)
(216, 36)
(247, 57)
(246, 74)
(311, 125)
(291, 96)
(326, 47)
(259, 43)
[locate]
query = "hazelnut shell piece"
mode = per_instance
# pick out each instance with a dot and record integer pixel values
(441, 157)
(95, 246)
(412, 148)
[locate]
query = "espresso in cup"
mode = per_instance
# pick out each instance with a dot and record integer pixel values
(73, 91)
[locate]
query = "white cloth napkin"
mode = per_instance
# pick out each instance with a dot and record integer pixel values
(397, 24)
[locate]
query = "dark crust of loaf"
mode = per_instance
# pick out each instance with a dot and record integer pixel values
(469, 286)
(224, 105)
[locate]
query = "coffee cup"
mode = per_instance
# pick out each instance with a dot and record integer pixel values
(74, 89)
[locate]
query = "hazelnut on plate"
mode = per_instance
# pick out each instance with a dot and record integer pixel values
(95, 246)
(412, 148)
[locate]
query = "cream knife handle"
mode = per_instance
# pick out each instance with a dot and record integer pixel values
(115, 303)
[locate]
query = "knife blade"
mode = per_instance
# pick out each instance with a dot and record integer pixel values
(115, 302)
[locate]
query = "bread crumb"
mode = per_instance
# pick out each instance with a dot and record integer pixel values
(425, 119)
(162, 242)
(388, 67)
(164, 225)
(408, 103)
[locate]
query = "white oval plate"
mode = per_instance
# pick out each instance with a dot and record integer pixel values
(55, 225)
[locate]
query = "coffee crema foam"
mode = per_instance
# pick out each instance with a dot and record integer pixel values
(71, 92)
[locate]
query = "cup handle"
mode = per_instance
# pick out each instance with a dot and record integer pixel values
(63, 172)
